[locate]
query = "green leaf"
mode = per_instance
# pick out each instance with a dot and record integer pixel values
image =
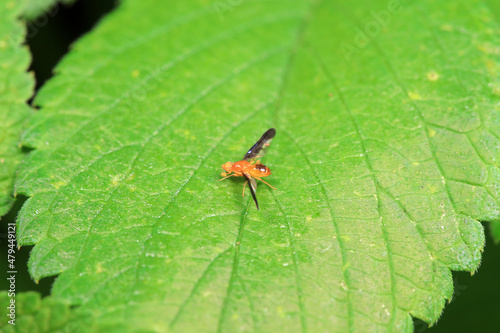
(495, 228)
(27, 312)
(39, 9)
(16, 87)
(385, 159)
(495, 8)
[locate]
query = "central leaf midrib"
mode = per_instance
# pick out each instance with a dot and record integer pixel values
(298, 40)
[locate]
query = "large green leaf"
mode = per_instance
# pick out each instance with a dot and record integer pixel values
(386, 157)
(16, 87)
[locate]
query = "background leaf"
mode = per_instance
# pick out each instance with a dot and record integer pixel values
(32, 9)
(16, 87)
(32, 314)
(384, 161)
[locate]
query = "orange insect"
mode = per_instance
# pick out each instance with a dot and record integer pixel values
(250, 167)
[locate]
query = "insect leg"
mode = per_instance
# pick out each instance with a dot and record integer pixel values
(244, 187)
(226, 177)
(265, 182)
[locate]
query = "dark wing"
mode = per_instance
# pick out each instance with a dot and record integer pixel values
(259, 148)
(253, 188)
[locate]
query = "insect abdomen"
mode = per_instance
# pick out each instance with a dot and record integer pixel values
(262, 170)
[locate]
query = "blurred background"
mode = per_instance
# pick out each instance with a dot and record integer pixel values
(475, 306)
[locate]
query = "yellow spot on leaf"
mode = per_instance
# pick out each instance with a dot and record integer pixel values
(495, 88)
(59, 185)
(432, 133)
(446, 27)
(432, 76)
(434, 189)
(414, 96)
(279, 310)
(185, 133)
(115, 180)
(135, 73)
